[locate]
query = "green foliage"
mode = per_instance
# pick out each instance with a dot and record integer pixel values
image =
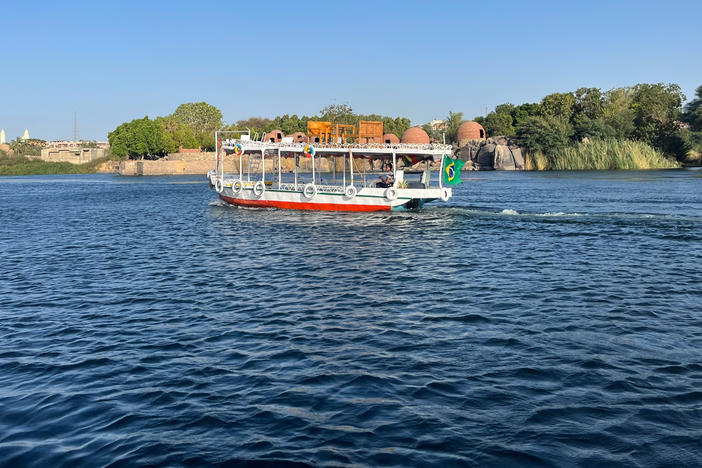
(560, 105)
(586, 127)
(544, 134)
(618, 113)
(31, 147)
(199, 116)
(19, 165)
(453, 121)
(177, 134)
(140, 138)
(435, 135)
(656, 108)
(523, 111)
(206, 141)
(693, 111)
(339, 114)
(589, 103)
(498, 124)
(397, 126)
(606, 154)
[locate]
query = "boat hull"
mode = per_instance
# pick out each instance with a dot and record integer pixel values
(367, 199)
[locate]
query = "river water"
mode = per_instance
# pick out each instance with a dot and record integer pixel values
(535, 319)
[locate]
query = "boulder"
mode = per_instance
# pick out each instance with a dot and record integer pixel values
(518, 157)
(486, 156)
(499, 153)
(503, 160)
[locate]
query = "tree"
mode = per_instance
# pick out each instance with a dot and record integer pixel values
(586, 127)
(656, 108)
(693, 111)
(559, 105)
(140, 138)
(453, 121)
(498, 124)
(179, 133)
(396, 126)
(546, 134)
(617, 111)
(339, 114)
(199, 116)
(31, 147)
(522, 111)
(588, 101)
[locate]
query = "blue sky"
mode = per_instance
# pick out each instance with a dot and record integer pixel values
(115, 61)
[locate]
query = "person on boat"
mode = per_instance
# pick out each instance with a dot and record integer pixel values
(386, 180)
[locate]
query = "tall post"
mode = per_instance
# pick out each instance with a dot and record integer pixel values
(441, 171)
(314, 181)
(394, 169)
(351, 164)
(279, 169)
(263, 166)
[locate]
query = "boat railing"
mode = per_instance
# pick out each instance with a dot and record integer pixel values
(359, 147)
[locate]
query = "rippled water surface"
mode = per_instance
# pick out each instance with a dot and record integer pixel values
(535, 319)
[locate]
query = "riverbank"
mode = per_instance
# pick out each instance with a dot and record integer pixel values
(20, 165)
(604, 155)
(595, 155)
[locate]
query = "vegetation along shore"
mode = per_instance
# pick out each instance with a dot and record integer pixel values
(645, 126)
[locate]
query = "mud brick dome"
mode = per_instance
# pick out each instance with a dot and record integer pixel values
(415, 135)
(470, 131)
(390, 138)
(274, 136)
(298, 137)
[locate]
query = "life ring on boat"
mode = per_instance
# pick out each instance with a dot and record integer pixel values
(445, 194)
(308, 151)
(259, 188)
(218, 185)
(237, 186)
(309, 191)
(350, 191)
(391, 193)
(238, 149)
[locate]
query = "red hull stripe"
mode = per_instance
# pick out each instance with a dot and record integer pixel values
(303, 205)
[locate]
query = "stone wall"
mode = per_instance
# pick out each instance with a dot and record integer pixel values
(201, 163)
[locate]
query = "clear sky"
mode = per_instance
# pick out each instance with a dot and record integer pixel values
(115, 61)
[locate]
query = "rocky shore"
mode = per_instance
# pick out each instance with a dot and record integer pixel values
(498, 153)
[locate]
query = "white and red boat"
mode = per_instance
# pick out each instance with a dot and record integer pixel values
(327, 176)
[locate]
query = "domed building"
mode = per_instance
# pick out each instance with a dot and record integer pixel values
(470, 131)
(415, 135)
(298, 137)
(274, 136)
(390, 139)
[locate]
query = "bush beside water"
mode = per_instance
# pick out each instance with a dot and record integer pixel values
(605, 154)
(20, 165)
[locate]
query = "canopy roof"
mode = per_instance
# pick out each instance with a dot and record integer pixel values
(379, 149)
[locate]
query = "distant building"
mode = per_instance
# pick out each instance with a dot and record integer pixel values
(438, 124)
(25, 137)
(75, 144)
(2, 137)
(72, 155)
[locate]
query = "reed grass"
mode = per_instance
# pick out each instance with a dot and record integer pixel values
(601, 155)
(20, 165)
